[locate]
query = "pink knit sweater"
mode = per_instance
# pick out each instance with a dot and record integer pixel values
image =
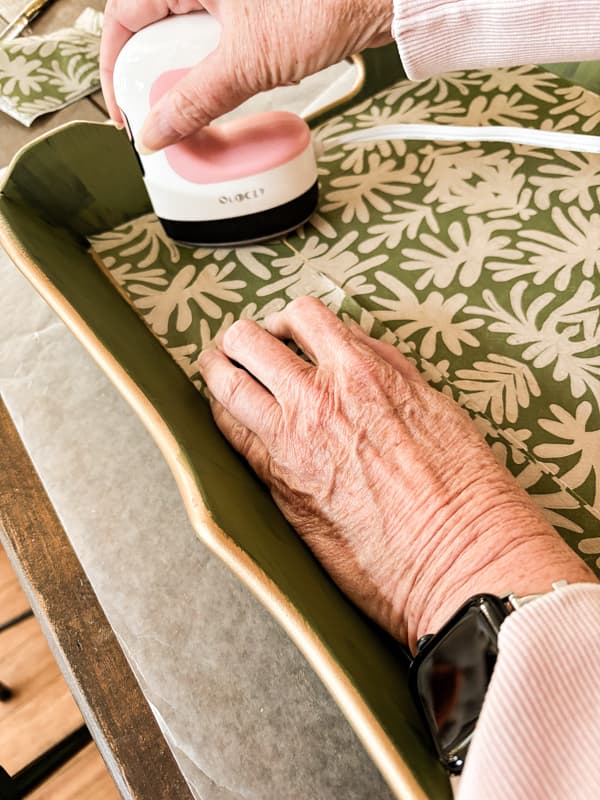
(441, 35)
(538, 736)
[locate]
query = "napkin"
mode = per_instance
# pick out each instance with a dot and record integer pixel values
(40, 74)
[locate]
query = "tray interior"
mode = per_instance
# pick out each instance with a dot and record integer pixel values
(82, 184)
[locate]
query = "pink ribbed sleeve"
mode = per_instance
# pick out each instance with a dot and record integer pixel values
(434, 36)
(538, 736)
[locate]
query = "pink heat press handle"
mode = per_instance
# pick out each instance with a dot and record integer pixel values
(234, 149)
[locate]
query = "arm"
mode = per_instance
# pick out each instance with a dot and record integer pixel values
(264, 44)
(435, 36)
(305, 36)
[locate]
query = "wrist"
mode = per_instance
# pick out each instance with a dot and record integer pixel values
(371, 21)
(530, 568)
(506, 546)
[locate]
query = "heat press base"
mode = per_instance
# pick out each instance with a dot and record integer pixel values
(246, 228)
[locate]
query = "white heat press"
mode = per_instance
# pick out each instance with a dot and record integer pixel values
(237, 181)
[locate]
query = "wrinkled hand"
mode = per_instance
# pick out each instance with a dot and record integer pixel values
(264, 44)
(387, 480)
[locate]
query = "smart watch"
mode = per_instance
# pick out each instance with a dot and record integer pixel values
(450, 674)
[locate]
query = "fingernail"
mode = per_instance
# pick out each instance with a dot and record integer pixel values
(157, 132)
(143, 150)
(144, 143)
(118, 125)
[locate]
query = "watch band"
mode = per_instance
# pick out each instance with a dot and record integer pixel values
(451, 671)
(515, 603)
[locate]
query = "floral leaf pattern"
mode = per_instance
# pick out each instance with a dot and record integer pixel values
(39, 74)
(481, 262)
(501, 384)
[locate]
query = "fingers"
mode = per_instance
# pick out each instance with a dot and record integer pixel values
(265, 357)
(114, 37)
(255, 400)
(314, 328)
(322, 336)
(242, 439)
(389, 353)
(123, 18)
(245, 399)
(213, 87)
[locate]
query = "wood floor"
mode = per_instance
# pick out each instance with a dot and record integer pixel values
(42, 710)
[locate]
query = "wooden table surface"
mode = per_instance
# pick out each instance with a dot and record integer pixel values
(104, 687)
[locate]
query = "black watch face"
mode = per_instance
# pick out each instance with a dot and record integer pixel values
(453, 677)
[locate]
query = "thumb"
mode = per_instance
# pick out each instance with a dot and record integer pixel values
(209, 90)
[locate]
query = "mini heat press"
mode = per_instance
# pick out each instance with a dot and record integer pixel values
(237, 181)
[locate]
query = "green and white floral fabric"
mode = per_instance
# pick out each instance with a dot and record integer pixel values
(482, 261)
(39, 74)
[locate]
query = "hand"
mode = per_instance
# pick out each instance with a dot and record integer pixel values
(264, 44)
(387, 480)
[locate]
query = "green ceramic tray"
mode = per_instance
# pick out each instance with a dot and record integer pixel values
(83, 180)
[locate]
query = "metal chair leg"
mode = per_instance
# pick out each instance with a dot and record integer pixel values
(15, 620)
(6, 691)
(17, 786)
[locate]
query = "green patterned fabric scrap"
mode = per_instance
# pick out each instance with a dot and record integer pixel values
(482, 261)
(39, 74)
